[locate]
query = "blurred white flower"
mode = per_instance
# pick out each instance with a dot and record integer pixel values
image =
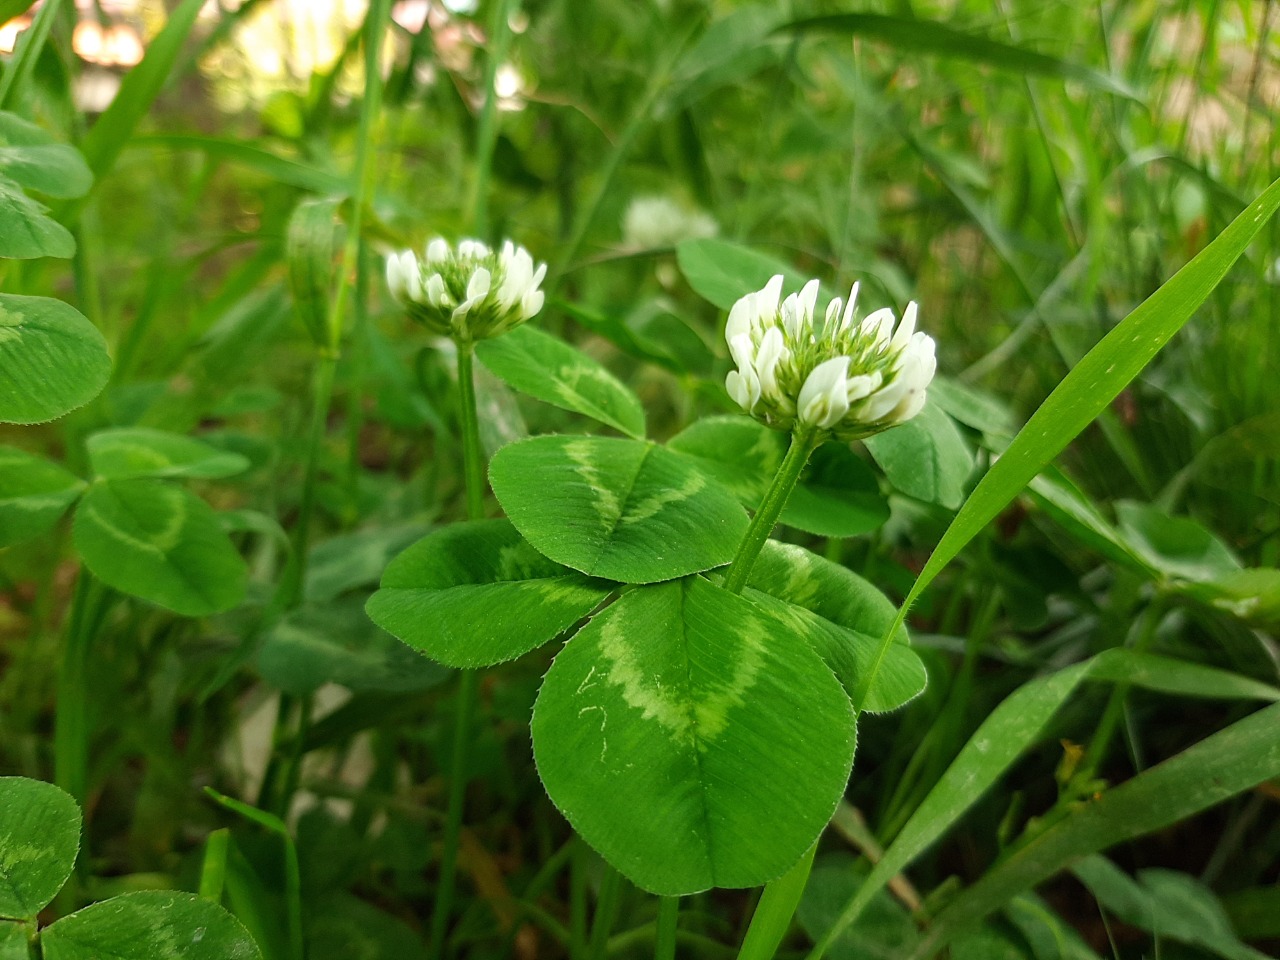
(848, 377)
(652, 222)
(469, 293)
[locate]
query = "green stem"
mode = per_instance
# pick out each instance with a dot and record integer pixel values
(468, 682)
(777, 906)
(606, 910)
(664, 941)
(213, 872)
(1114, 710)
(472, 460)
(71, 721)
(803, 444)
(291, 585)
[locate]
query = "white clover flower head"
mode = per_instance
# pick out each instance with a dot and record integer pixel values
(658, 221)
(833, 374)
(470, 292)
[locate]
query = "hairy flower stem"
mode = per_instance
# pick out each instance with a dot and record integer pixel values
(777, 906)
(778, 903)
(468, 680)
(803, 443)
(472, 460)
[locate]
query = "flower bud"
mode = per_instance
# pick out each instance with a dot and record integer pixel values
(470, 293)
(836, 375)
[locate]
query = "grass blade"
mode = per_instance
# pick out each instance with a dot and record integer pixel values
(1088, 389)
(1010, 729)
(141, 86)
(1218, 767)
(938, 39)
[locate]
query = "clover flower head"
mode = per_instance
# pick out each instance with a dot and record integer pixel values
(658, 221)
(837, 374)
(469, 292)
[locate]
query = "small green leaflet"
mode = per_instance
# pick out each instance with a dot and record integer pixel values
(475, 594)
(335, 643)
(36, 161)
(548, 369)
(722, 272)
(129, 452)
(624, 510)
(925, 458)
(39, 840)
(843, 616)
(693, 740)
(158, 542)
(159, 924)
(34, 494)
(15, 938)
(838, 495)
(27, 232)
(52, 359)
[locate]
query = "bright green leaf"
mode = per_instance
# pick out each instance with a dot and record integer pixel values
(26, 229)
(851, 615)
(475, 594)
(1252, 595)
(838, 494)
(548, 369)
(620, 509)
(34, 494)
(39, 840)
(127, 452)
(722, 271)
(1166, 903)
(925, 458)
(149, 925)
(159, 542)
(693, 740)
(1175, 546)
(335, 643)
(15, 939)
(52, 359)
(36, 161)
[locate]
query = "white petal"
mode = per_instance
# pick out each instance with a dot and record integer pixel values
(823, 399)
(436, 293)
(479, 284)
(743, 387)
(768, 356)
(743, 351)
(862, 386)
(766, 302)
(831, 318)
(809, 299)
(532, 303)
(741, 316)
(847, 320)
(878, 325)
(905, 329)
(438, 250)
(881, 403)
(400, 268)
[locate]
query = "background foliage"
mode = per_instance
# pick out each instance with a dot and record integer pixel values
(1030, 172)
